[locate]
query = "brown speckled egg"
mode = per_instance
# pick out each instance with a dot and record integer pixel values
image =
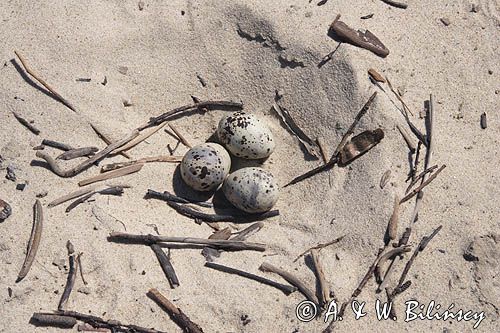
(245, 136)
(205, 166)
(252, 190)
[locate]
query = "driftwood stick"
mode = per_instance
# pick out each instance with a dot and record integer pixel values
(424, 184)
(266, 267)
(166, 266)
(167, 196)
(406, 137)
(34, 242)
(174, 312)
(396, 4)
(52, 320)
(138, 139)
(55, 144)
(249, 231)
(86, 164)
(112, 174)
(78, 152)
(28, 69)
(420, 175)
(70, 282)
(80, 268)
(71, 195)
(26, 123)
(180, 136)
(163, 158)
(324, 291)
(283, 287)
(227, 245)
(106, 139)
(114, 190)
(319, 246)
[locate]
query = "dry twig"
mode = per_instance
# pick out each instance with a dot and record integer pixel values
(34, 242)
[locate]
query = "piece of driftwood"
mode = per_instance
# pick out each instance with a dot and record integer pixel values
(174, 312)
(208, 252)
(55, 144)
(166, 266)
(248, 231)
(26, 123)
(363, 39)
(296, 131)
(80, 268)
(266, 267)
(375, 75)
(359, 145)
(78, 152)
(106, 139)
(406, 109)
(167, 196)
(424, 184)
(86, 164)
(28, 69)
(70, 281)
(283, 287)
(484, 121)
(52, 320)
(227, 245)
(114, 325)
(419, 176)
(112, 174)
(88, 328)
(180, 136)
(112, 190)
(324, 291)
(71, 195)
(163, 158)
(397, 4)
(143, 135)
(408, 140)
(34, 242)
(319, 246)
(389, 254)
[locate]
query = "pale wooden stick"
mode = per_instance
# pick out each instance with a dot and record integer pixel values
(180, 136)
(112, 174)
(324, 295)
(106, 139)
(141, 137)
(71, 195)
(163, 158)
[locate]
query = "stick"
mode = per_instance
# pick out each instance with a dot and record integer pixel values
(209, 252)
(138, 139)
(180, 136)
(174, 312)
(106, 139)
(392, 226)
(70, 282)
(319, 246)
(324, 291)
(166, 266)
(167, 196)
(34, 242)
(266, 267)
(396, 4)
(406, 137)
(247, 232)
(26, 123)
(112, 174)
(390, 254)
(55, 144)
(283, 287)
(424, 184)
(228, 245)
(53, 320)
(79, 262)
(417, 178)
(86, 164)
(71, 195)
(78, 152)
(43, 83)
(115, 190)
(164, 158)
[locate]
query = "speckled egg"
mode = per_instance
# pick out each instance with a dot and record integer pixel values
(246, 136)
(205, 166)
(252, 190)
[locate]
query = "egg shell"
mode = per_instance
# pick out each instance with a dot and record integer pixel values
(204, 167)
(245, 135)
(253, 190)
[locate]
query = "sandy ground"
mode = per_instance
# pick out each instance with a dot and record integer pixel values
(244, 51)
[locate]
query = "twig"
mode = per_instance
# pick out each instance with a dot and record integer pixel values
(55, 144)
(396, 4)
(26, 123)
(266, 267)
(424, 184)
(406, 137)
(209, 252)
(71, 195)
(86, 164)
(389, 254)
(167, 196)
(114, 190)
(166, 266)
(180, 136)
(53, 320)
(417, 178)
(78, 152)
(247, 232)
(174, 312)
(228, 245)
(112, 174)
(359, 145)
(319, 246)
(70, 282)
(34, 242)
(283, 287)
(163, 158)
(324, 291)
(106, 139)
(43, 83)
(138, 139)
(79, 262)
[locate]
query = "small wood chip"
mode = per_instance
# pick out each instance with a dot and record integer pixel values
(484, 123)
(376, 76)
(445, 21)
(112, 174)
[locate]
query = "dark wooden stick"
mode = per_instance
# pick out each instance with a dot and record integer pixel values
(319, 246)
(55, 144)
(174, 312)
(70, 282)
(26, 124)
(420, 175)
(249, 231)
(34, 242)
(167, 196)
(80, 268)
(52, 320)
(166, 266)
(78, 152)
(43, 83)
(424, 184)
(266, 267)
(396, 4)
(227, 245)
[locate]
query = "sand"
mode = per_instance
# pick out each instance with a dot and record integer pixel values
(245, 51)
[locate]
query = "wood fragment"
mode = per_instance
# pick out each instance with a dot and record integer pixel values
(166, 266)
(138, 139)
(359, 145)
(396, 4)
(113, 190)
(78, 152)
(70, 282)
(227, 245)
(424, 184)
(385, 179)
(79, 262)
(283, 287)
(391, 253)
(363, 39)
(180, 136)
(167, 196)
(267, 267)
(406, 109)
(484, 122)
(324, 291)
(420, 176)
(163, 158)
(319, 246)
(247, 232)
(71, 195)
(26, 123)
(86, 164)
(28, 69)
(52, 320)
(174, 312)
(408, 140)
(34, 242)
(210, 253)
(375, 75)
(112, 174)
(369, 16)
(106, 139)
(55, 144)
